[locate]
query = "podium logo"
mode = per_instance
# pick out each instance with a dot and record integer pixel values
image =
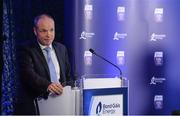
(99, 108)
(106, 105)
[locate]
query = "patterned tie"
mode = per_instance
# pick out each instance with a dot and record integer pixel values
(51, 65)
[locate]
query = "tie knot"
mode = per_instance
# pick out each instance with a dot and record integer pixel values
(47, 49)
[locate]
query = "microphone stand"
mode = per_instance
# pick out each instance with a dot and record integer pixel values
(120, 72)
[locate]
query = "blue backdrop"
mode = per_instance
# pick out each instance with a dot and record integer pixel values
(140, 36)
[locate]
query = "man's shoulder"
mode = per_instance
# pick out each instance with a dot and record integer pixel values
(29, 47)
(58, 44)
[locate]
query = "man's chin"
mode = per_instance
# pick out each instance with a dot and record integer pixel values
(47, 43)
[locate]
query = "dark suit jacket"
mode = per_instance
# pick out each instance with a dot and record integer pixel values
(35, 75)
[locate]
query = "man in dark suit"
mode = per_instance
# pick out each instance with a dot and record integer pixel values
(44, 65)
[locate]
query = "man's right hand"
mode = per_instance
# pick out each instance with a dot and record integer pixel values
(55, 88)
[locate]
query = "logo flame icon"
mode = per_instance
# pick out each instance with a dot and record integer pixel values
(99, 108)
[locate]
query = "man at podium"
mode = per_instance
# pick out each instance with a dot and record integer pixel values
(44, 66)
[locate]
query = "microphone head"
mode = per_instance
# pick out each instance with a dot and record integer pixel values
(92, 51)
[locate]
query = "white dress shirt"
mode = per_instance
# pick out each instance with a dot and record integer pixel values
(54, 59)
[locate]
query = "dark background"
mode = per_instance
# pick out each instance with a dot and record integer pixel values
(25, 11)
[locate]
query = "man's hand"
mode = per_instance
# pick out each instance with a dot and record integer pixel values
(55, 88)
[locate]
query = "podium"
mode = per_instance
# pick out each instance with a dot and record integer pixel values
(96, 94)
(104, 95)
(68, 103)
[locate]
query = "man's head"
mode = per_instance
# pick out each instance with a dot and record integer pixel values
(44, 29)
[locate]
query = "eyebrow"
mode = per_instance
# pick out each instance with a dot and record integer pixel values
(52, 29)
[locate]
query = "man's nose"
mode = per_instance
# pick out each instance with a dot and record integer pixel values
(48, 33)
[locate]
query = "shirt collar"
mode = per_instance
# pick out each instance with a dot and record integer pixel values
(42, 46)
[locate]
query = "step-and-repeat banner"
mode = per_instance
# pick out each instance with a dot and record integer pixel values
(142, 37)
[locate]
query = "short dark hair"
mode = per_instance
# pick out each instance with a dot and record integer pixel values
(36, 19)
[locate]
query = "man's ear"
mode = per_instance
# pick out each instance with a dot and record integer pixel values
(34, 29)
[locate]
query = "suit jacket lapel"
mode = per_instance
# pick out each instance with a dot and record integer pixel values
(42, 58)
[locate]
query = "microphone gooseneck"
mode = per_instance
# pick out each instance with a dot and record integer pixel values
(93, 52)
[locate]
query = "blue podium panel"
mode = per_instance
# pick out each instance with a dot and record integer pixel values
(108, 101)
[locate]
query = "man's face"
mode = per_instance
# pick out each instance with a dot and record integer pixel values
(45, 31)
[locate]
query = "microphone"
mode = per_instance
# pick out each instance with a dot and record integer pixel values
(93, 52)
